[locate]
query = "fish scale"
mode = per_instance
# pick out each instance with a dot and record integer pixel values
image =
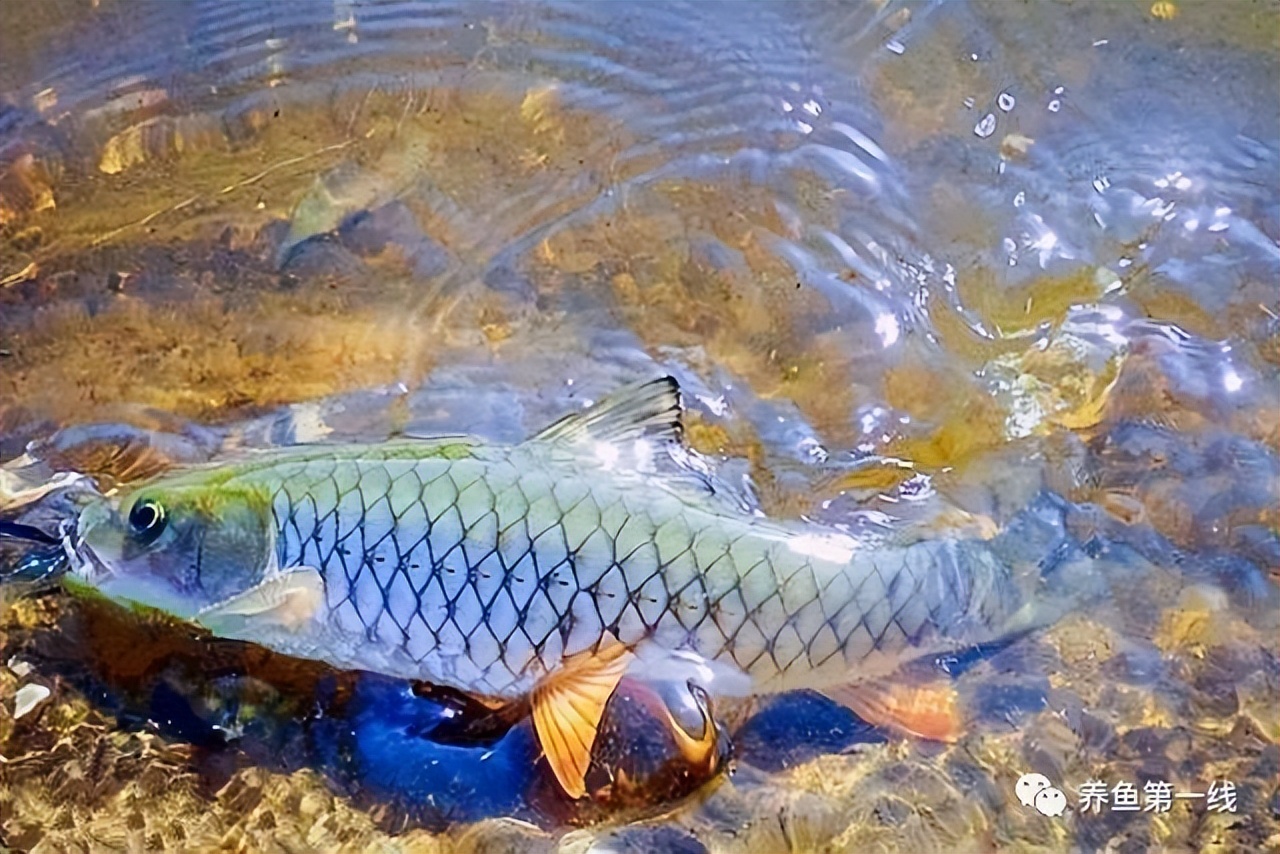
(488, 566)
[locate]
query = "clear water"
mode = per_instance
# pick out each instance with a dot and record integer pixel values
(940, 263)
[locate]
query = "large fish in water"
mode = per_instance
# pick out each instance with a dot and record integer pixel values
(546, 570)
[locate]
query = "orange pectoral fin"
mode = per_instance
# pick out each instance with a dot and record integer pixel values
(930, 711)
(567, 707)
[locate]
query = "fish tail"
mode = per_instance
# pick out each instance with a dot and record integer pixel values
(1058, 574)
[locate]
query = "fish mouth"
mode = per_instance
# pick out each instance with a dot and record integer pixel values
(85, 563)
(83, 560)
(45, 529)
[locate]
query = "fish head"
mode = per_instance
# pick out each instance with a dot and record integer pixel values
(178, 545)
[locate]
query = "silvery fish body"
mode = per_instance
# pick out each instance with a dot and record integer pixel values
(485, 571)
(485, 567)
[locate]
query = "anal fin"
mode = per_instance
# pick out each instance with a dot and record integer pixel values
(567, 706)
(929, 710)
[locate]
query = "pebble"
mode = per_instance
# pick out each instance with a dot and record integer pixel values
(27, 698)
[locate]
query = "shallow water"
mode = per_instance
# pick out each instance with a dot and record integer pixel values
(1004, 266)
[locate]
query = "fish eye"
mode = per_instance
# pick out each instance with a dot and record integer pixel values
(147, 520)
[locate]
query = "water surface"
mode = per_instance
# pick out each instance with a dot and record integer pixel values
(1009, 267)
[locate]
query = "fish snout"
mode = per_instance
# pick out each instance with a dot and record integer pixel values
(87, 544)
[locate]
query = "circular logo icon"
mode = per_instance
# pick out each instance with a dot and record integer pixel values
(1030, 785)
(1050, 801)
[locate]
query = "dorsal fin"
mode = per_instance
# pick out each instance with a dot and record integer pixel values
(649, 409)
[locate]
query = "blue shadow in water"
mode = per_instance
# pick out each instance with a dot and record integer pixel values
(794, 728)
(386, 745)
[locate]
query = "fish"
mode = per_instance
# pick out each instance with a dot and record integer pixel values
(542, 572)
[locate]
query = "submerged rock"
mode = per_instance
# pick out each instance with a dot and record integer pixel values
(26, 698)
